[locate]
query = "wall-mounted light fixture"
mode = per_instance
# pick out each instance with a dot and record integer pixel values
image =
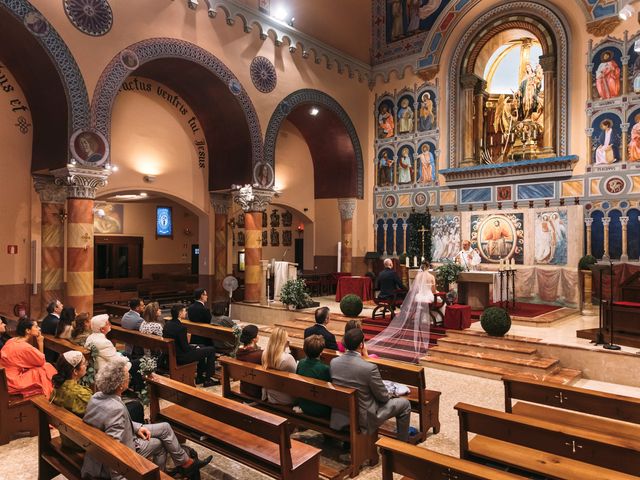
(149, 178)
(62, 215)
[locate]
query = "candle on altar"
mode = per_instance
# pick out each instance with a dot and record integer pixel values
(422, 260)
(501, 266)
(513, 263)
(415, 262)
(406, 262)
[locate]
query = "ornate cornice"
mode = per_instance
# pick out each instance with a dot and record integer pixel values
(488, 173)
(346, 206)
(220, 203)
(81, 182)
(49, 192)
(603, 27)
(252, 199)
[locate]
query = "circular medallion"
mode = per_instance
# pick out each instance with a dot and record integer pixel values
(285, 107)
(129, 59)
(614, 185)
(389, 201)
(36, 23)
(93, 17)
(263, 74)
(89, 147)
(420, 199)
(497, 238)
(235, 87)
(263, 175)
(624, 204)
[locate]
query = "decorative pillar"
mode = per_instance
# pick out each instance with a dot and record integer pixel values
(253, 202)
(384, 237)
(395, 238)
(548, 64)
(625, 75)
(375, 236)
(588, 222)
(605, 225)
(625, 256)
(469, 82)
(52, 199)
(220, 205)
(478, 125)
(625, 132)
(347, 206)
(81, 184)
(404, 237)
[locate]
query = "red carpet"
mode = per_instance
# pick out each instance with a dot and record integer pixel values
(522, 309)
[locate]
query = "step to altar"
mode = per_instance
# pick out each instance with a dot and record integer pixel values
(493, 357)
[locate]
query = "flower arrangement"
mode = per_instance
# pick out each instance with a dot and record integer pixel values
(295, 293)
(148, 365)
(447, 273)
(586, 261)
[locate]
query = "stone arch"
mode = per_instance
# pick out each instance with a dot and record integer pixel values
(64, 105)
(323, 150)
(170, 61)
(554, 38)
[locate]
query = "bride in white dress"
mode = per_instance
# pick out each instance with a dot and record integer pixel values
(408, 332)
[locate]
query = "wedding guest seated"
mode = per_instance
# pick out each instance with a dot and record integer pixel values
(100, 326)
(375, 403)
(199, 313)
(70, 394)
(24, 365)
(277, 358)
(152, 320)
(3, 331)
(250, 352)
(320, 328)
(65, 324)
(50, 324)
(388, 281)
(81, 329)
(350, 325)
(311, 366)
(219, 318)
(107, 412)
(132, 320)
(187, 353)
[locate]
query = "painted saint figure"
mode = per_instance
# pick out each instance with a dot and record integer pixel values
(397, 29)
(405, 117)
(634, 143)
(427, 163)
(385, 168)
(385, 123)
(608, 76)
(404, 167)
(497, 236)
(426, 116)
(607, 144)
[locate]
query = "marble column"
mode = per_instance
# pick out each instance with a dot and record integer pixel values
(347, 207)
(625, 132)
(605, 225)
(81, 184)
(253, 202)
(548, 64)
(625, 75)
(469, 82)
(384, 237)
(405, 242)
(478, 123)
(625, 254)
(52, 200)
(220, 205)
(588, 222)
(395, 238)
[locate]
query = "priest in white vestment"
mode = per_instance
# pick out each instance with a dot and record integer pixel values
(468, 257)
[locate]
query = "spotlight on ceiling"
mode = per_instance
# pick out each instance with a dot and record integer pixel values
(280, 13)
(314, 111)
(626, 12)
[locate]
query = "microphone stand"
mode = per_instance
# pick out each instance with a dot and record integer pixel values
(611, 345)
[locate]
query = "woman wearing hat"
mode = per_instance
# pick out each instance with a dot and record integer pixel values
(252, 353)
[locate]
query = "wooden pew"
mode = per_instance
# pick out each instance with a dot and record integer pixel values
(547, 448)
(214, 332)
(426, 403)
(116, 311)
(53, 459)
(246, 434)
(182, 373)
(60, 345)
(415, 462)
(18, 418)
(362, 445)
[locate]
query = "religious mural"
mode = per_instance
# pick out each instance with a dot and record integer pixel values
(445, 237)
(405, 165)
(498, 236)
(426, 164)
(108, 218)
(427, 111)
(633, 146)
(406, 18)
(386, 123)
(606, 139)
(607, 73)
(551, 238)
(386, 167)
(405, 116)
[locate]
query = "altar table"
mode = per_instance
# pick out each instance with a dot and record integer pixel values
(360, 286)
(473, 288)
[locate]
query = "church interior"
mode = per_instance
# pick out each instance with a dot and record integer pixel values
(418, 218)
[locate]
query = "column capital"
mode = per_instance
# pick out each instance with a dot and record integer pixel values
(470, 80)
(49, 192)
(346, 206)
(253, 199)
(606, 221)
(385, 226)
(588, 222)
(81, 182)
(220, 203)
(548, 63)
(624, 221)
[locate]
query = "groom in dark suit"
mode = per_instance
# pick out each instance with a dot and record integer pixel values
(388, 281)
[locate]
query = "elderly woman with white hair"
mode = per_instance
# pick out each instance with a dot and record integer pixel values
(107, 412)
(100, 326)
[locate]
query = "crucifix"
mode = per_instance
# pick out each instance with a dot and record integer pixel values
(422, 231)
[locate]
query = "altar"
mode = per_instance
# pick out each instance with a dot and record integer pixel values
(474, 289)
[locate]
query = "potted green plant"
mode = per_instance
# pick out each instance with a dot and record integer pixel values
(294, 294)
(587, 282)
(447, 273)
(495, 321)
(351, 305)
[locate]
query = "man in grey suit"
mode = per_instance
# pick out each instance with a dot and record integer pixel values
(107, 412)
(132, 321)
(375, 404)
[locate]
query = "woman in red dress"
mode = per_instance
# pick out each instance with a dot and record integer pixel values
(25, 367)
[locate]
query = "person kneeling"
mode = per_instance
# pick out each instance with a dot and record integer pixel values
(106, 412)
(311, 366)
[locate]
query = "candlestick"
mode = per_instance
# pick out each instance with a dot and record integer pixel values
(415, 261)
(513, 263)
(407, 262)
